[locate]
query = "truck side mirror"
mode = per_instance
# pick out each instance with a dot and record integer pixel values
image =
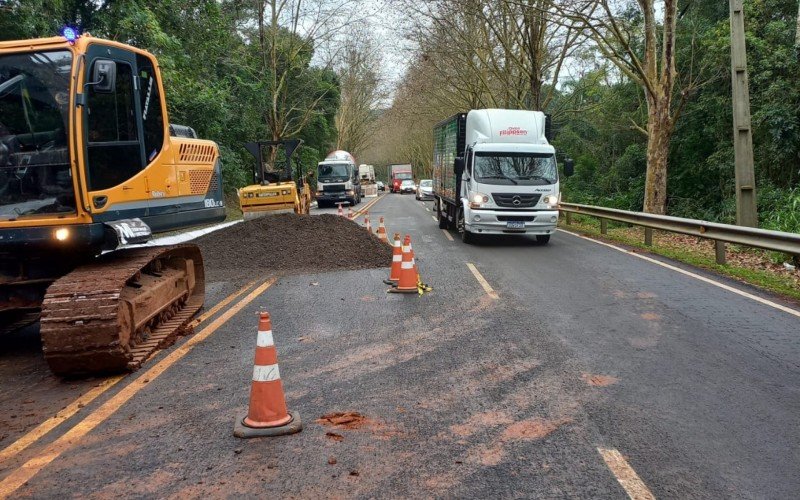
(458, 166)
(569, 167)
(104, 76)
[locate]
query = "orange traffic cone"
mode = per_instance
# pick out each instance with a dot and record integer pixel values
(408, 271)
(367, 223)
(267, 415)
(350, 213)
(382, 231)
(397, 261)
(341, 211)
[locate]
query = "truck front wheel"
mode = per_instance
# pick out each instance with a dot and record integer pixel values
(442, 215)
(466, 236)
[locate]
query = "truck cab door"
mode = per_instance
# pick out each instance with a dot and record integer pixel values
(466, 177)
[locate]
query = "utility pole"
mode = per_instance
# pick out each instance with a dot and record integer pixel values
(746, 212)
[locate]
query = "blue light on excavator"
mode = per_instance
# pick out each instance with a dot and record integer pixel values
(70, 33)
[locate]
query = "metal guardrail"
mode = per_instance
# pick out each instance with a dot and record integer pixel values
(720, 233)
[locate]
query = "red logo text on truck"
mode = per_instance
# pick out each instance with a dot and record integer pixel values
(513, 131)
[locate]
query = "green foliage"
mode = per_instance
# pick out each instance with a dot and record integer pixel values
(610, 157)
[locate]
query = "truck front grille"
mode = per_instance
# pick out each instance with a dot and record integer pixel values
(336, 188)
(513, 200)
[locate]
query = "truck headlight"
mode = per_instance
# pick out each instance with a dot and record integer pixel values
(550, 200)
(478, 200)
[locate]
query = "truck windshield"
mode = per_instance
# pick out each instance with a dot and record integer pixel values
(35, 175)
(403, 175)
(334, 171)
(515, 168)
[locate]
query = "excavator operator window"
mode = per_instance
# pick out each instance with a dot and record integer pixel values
(114, 153)
(152, 114)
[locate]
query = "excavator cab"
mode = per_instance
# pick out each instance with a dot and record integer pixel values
(277, 190)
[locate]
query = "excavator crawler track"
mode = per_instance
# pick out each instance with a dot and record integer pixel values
(113, 313)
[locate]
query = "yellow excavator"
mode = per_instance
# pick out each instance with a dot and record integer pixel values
(89, 166)
(275, 192)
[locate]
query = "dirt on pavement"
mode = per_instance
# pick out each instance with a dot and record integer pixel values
(290, 244)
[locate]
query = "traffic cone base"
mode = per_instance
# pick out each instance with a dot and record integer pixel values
(242, 430)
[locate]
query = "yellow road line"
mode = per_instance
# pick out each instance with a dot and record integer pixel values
(793, 312)
(51, 423)
(32, 467)
(447, 234)
(363, 210)
(71, 409)
(485, 284)
(627, 477)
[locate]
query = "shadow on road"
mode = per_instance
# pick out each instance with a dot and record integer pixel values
(505, 241)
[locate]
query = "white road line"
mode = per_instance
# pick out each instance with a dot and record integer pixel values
(731, 289)
(447, 234)
(485, 284)
(428, 209)
(434, 218)
(625, 474)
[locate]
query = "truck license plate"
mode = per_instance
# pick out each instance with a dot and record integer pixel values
(515, 224)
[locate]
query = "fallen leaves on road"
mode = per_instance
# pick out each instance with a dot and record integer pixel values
(599, 380)
(334, 436)
(344, 420)
(535, 428)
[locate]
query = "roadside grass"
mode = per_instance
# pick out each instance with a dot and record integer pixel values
(756, 267)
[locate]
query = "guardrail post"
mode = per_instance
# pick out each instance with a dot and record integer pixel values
(569, 218)
(719, 250)
(648, 236)
(603, 226)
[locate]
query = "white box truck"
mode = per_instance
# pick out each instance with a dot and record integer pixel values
(495, 173)
(369, 188)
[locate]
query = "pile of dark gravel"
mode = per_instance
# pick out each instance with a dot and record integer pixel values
(290, 244)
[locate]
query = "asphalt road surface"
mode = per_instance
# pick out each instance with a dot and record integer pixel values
(571, 370)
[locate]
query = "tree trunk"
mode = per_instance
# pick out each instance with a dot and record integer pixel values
(797, 33)
(659, 133)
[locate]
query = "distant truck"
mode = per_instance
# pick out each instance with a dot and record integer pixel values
(495, 173)
(366, 173)
(397, 174)
(337, 180)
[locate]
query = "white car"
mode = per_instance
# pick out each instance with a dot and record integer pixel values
(425, 190)
(407, 186)
(381, 186)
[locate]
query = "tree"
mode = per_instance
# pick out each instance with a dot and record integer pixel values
(362, 90)
(644, 49)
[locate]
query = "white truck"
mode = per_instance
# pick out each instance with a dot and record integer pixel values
(337, 180)
(495, 173)
(369, 188)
